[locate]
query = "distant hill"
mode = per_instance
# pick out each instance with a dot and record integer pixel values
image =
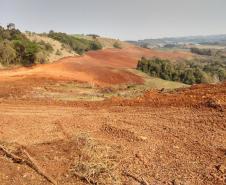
(155, 43)
(105, 42)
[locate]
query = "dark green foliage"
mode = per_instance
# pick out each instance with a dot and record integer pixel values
(201, 51)
(209, 52)
(186, 71)
(26, 51)
(15, 48)
(95, 45)
(11, 26)
(94, 36)
(216, 69)
(45, 46)
(79, 45)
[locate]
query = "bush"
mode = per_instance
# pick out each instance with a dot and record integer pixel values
(58, 52)
(117, 45)
(95, 46)
(7, 53)
(46, 46)
(94, 36)
(198, 51)
(26, 51)
(40, 58)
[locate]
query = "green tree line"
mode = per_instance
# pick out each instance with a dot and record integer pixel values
(15, 48)
(79, 45)
(188, 72)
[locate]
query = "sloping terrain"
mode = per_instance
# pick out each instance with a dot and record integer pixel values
(103, 68)
(159, 138)
(106, 42)
(59, 51)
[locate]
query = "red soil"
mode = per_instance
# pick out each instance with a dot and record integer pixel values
(166, 138)
(162, 137)
(103, 68)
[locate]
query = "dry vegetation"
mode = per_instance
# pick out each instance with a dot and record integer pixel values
(59, 50)
(107, 42)
(96, 163)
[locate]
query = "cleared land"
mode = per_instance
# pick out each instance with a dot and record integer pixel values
(103, 68)
(155, 137)
(161, 137)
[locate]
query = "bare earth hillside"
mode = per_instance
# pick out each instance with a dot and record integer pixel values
(104, 68)
(168, 136)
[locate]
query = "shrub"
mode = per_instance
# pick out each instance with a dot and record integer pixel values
(58, 52)
(94, 36)
(46, 46)
(117, 45)
(95, 46)
(7, 53)
(208, 52)
(40, 58)
(26, 51)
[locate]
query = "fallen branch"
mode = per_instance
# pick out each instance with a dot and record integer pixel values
(142, 181)
(83, 178)
(31, 163)
(38, 169)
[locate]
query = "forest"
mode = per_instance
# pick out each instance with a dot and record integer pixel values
(189, 72)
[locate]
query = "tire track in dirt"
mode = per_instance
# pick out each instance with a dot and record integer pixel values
(184, 137)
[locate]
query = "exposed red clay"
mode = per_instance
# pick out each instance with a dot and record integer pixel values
(103, 68)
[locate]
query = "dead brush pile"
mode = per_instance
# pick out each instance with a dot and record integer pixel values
(96, 163)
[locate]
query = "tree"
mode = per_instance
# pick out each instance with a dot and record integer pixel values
(26, 51)
(51, 32)
(188, 72)
(11, 26)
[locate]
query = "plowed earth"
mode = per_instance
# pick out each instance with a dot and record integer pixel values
(176, 137)
(103, 68)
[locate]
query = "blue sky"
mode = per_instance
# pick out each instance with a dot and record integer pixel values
(124, 19)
